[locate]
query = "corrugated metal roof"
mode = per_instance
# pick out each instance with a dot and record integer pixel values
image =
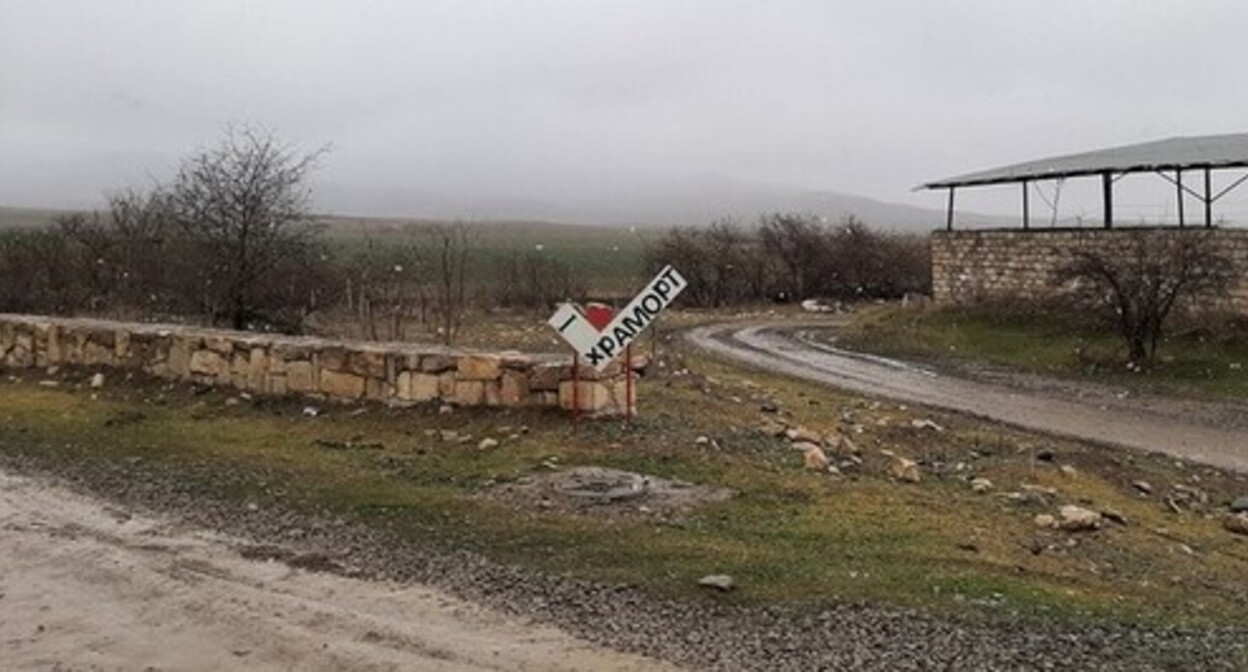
(1209, 151)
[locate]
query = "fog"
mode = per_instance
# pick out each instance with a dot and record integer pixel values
(462, 107)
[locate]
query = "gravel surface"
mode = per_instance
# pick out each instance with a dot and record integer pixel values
(700, 635)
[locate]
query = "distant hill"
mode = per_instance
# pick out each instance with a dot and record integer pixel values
(688, 203)
(693, 202)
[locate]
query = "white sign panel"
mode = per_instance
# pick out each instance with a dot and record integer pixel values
(600, 346)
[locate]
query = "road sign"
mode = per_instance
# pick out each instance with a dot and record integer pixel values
(599, 346)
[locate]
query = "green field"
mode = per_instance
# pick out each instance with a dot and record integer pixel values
(609, 259)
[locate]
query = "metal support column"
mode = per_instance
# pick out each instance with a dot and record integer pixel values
(949, 214)
(1178, 183)
(1026, 207)
(1107, 195)
(1208, 200)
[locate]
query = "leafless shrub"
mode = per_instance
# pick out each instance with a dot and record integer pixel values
(793, 257)
(1137, 285)
(535, 280)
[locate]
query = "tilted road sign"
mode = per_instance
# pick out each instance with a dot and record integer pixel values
(600, 346)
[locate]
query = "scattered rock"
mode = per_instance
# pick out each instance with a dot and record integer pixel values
(448, 435)
(97, 381)
(311, 411)
(702, 440)
(1237, 523)
(771, 428)
(1068, 471)
(488, 443)
(845, 445)
(1044, 520)
(814, 459)
(981, 485)
(1143, 487)
(803, 446)
(1114, 515)
(769, 407)
(1042, 490)
(1078, 519)
(926, 424)
(232, 401)
(720, 582)
(446, 409)
(1240, 505)
(803, 434)
(905, 470)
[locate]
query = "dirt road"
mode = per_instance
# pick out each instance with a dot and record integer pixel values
(87, 586)
(1210, 433)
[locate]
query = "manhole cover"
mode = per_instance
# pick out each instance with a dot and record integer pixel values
(603, 485)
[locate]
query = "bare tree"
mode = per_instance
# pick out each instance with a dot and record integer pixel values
(450, 257)
(245, 207)
(799, 245)
(1137, 285)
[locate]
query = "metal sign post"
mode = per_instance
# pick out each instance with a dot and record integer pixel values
(599, 337)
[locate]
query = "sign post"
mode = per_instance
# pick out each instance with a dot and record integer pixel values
(598, 336)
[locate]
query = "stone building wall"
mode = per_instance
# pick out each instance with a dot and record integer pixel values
(266, 364)
(969, 266)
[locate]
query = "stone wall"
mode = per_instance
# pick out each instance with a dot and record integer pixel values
(969, 266)
(266, 364)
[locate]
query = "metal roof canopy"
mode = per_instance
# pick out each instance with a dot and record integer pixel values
(1204, 153)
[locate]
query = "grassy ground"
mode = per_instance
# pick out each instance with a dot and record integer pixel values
(788, 536)
(1194, 360)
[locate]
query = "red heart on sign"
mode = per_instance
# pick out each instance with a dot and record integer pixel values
(599, 314)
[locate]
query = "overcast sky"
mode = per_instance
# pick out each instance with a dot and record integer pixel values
(550, 98)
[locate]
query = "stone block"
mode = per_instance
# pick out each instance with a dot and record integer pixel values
(446, 385)
(420, 386)
(219, 344)
(479, 367)
(587, 396)
(257, 367)
(341, 385)
(332, 357)
(436, 363)
(546, 377)
(275, 384)
(514, 389)
(121, 345)
(300, 377)
(368, 363)
(469, 393)
(377, 389)
(179, 364)
(208, 363)
(493, 392)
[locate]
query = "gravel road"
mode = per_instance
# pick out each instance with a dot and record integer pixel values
(84, 585)
(1216, 434)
